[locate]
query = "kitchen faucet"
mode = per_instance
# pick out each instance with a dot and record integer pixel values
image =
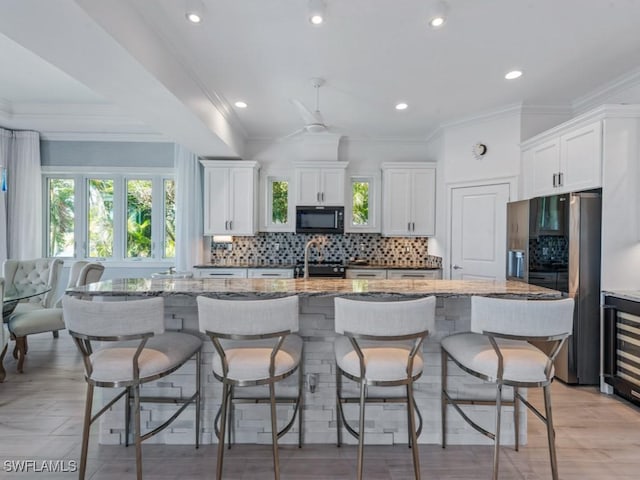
(306, 256)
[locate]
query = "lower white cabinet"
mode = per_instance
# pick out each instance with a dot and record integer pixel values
(366, 273)
(414, 274)
(221, 272)
(270, 273)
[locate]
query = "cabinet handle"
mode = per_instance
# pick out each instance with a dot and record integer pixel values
(363, 275)
(408, 226)
(322, 196)
(554, 180)
(230, 224)
(560, 179)
(413, 226)
(226, 224)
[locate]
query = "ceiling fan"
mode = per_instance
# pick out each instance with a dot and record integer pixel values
(313, 120)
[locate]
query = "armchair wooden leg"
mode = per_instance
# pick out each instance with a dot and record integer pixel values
(20, 351)
(3, 373)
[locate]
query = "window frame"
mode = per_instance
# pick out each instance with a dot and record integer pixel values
(120, 176)
(373, 179)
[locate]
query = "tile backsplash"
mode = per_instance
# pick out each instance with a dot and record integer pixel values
(288, 248)
(548, 248)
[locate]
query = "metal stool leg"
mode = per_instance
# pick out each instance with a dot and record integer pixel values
(363, 394)
(223, 424)
(339, 405)
(300, 401)
(198, 399)
(85, 432)
(496, 448)
(127, 416)
(274, 432)
(232, 422)
(412, 428)
(137, 431)
(443, 398)
(516, 417)
(551, 434)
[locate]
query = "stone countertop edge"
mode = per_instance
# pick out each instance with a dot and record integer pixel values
(633, 295)
(312, 288)
(290, 265)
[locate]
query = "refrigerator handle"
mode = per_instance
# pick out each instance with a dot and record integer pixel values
(609, 343)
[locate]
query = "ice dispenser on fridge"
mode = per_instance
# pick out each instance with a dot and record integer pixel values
(515, 265)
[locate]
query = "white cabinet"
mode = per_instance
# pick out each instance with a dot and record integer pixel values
(270, 273)
(221, 273)
(567, 162)
(414, 274)
(408, 199)
(230, 198)
(320, 183)
(367, 273)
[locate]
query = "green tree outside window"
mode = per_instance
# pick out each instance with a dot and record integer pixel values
(360, 202)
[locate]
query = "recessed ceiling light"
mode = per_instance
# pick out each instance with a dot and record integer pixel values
(194, 11)
(438, 14)
(513, 74)
(241, 104)
(194, 17)
(436, 22)
(316, 11)
(401, 106)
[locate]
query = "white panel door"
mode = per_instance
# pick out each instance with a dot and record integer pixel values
(479, 232)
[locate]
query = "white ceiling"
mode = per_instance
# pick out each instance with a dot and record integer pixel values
(137, 66)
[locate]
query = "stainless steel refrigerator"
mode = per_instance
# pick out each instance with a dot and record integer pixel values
(554, 242)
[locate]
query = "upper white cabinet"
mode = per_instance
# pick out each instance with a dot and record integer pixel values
(230, 197)
(567, 162)
(320, 183)
(408, 199)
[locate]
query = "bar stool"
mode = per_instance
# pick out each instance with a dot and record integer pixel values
(372, 350)
(497, 350)
(135, 350)
(255, 344)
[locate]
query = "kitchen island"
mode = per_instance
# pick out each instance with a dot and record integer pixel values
(385, 423)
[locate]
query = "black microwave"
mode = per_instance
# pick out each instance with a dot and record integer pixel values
(319, 219)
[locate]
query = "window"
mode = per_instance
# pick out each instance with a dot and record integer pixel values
(111, 216)
(363, 203)
(360, 198)
(279, 202)
(277, 208)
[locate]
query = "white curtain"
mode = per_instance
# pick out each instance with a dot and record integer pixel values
(24, 197)
(189, 239)
(6, 138)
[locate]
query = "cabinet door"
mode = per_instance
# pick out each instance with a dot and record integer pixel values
(396, 202)
(307, 186)
(366, 274)
(423, 202)
(270, 273)
(545, 164)
(332, 186)
(221, 273)
(414, 274)
(216, 201)
(580, 158)
(241, 201)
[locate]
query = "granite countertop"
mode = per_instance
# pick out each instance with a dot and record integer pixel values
(633, 295)
(246, 265)
(313, 287)
(389, 267)
(291, 265)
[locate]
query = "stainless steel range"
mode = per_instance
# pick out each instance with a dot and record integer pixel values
(322, 270)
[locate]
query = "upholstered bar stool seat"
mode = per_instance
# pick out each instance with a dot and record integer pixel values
(162, 354)
(249, 361)
(522, 362)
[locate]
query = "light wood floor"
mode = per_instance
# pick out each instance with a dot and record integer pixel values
(598, 437)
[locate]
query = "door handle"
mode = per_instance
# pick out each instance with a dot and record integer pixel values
(456, 267)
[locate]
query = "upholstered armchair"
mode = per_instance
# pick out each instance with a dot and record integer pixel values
(35, 314)
(4, 337)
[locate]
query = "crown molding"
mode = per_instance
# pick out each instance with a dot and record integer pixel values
(503, 111)
(602, 93)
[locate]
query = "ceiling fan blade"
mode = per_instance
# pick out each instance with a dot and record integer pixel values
(307, 115)
(300, 131)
